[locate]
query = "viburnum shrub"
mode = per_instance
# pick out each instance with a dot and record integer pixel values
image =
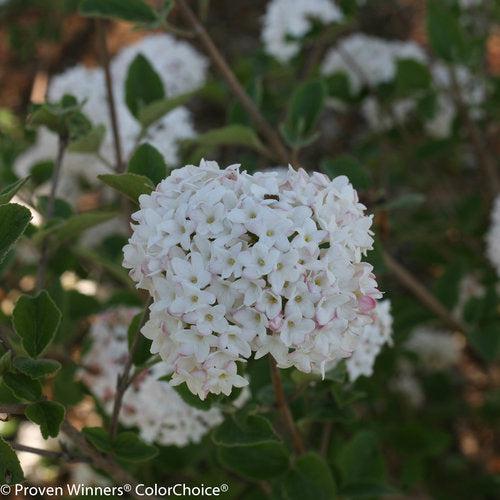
(268, 263)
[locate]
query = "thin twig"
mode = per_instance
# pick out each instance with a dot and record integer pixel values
(56, 455)
(421, 293)
(218, 59)
(105, 63)
(326, 437)
(56, 174)
(13, 409)
(298, 443)
(123, 381)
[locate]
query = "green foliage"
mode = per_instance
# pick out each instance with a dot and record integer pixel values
(127, 446)
(37, 368)
(130, 185)
(22, 386)
(49, 415)
(154, 110)
(231, 135)
(299, 128)
(349, 166)
(147, 161)
(143, 86)
(309, 479)
(14, 220)
(36, 320)
(136, 11)
(10, 468)
(259, 461)
(90, 142)
(143, 346)
(445, 33)
(247, 430)
(7, 193)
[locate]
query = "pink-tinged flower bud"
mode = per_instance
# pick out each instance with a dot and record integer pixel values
(366, 303)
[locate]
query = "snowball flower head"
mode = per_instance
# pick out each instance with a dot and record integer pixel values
(286, 21)
(236, 263)
(493, 237)
(436, 349)
(368, 60)
(375, 335)
(149, 404)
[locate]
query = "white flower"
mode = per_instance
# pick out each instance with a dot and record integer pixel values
(286, 21)
(367, 60)
(436, 349)
(271, 263)
(151, 405)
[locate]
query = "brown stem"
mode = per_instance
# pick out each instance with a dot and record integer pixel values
(13, 409)
(56, 174)
(421, 293)
(105, 63)
(298, 443)
(218, 59)
(124, 379)
(56, 455)
(326, 438)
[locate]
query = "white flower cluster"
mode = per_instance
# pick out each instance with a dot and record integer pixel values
(493, 237)
(286, 21)
(375, 335)
(436, 349)
(407, 384)
(180, 68)
(236, 263)
(368, 60)
(149, 404)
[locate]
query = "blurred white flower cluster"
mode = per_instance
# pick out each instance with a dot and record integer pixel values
(493, 237)
(374, 336)
(236, 263)
(287, 21)
(149, 404)
(180, 67)
(369, 61)
(436, 349)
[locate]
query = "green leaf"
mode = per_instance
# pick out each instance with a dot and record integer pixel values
(89, 143)
(14, 220)
(260, 461)
(309, 479)
(444, 31)
(10, 468)
(22, 386)
(37, 368)
(155, 110)
(136, 11)
(143, 349)
(41, 172)
(231, 135)
(411, 76)
(99, 438)
(303, 114)
(66, 390)
(73, 226)
(143, 86)
(7, 193)
(349, 166)
(130, 185)
(49, 415)
(360, 459)
(5, 362)
(127, 446)
(148, 162)
(244, 431)
(364, 489)
(130, 448)
(486, 340)
(36, 320)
